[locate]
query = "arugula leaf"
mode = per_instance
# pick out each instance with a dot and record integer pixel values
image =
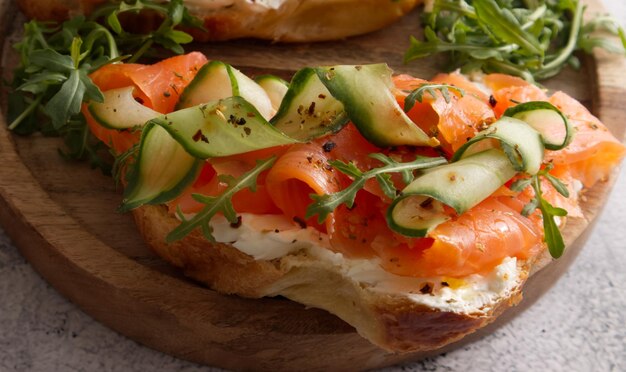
(531, 39)
(418, 94)
(221, 203)
(504, 27)
(323, 205)
(552, 234)
(53, 81)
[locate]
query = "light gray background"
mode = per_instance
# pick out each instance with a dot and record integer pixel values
(580, 325)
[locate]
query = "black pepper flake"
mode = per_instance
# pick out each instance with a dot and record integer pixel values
(492, 101)
(236, 225)
(276, 231)
(309, 159)
(300, 222)
(329, 146)
(321, 96)
(199, 136)
(166, 94)
(139, 100)
(311, 109)
(247, 130)
(293, 241)
(445, 284)
(426, 289)
(232, 119)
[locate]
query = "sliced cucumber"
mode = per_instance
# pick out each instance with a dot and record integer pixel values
(275, 87)
(521, 143)
(119, 110)
(366, 93)
(557, 132)
(226, 127)
(460, 185)
(217, 80)
(308, 110)
(163, 169)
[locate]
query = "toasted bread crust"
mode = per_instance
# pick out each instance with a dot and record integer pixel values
(391, 321)
(277, 20)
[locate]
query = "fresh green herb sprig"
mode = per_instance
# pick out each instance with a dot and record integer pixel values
(323, 205)
(417, 95)
(552, 234)
(173, 14)
(531, 39)
(221, 203)
(52, 81)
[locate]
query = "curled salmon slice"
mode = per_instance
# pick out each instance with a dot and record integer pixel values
(475, 242)
(452, 121)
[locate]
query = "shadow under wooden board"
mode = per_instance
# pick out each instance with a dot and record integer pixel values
(62, 217)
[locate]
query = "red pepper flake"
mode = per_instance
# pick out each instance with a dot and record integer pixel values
(199, 136)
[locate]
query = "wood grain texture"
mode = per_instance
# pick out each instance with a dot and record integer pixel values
(62, 217)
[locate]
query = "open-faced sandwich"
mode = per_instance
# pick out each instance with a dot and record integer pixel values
(414, 210)
(277, 20)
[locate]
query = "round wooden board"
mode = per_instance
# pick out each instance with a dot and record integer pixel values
(62, 217)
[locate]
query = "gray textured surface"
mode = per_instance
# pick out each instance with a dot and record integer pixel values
(580, 325)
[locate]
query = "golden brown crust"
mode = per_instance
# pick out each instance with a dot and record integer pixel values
(219, 266)
(278, 20)
(410, 327)
(390, 320)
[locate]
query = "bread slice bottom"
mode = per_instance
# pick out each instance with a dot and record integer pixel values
(393, 320)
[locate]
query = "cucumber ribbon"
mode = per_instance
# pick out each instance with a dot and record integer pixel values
(477, 169)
